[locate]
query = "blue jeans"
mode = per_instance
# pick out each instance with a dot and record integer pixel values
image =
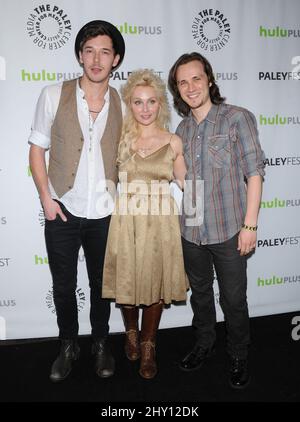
(63, 241)
(230, 269)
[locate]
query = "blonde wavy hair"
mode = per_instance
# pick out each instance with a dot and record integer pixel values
(130, 129)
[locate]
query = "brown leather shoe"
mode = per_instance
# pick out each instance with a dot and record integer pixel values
(148, 367)
(132, 347)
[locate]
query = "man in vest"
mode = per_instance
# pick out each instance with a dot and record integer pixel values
(79, 122)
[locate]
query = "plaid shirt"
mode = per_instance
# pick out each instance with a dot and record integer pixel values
(223, 150)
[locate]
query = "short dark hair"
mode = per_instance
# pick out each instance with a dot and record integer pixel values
(181, 106)
(93, 32)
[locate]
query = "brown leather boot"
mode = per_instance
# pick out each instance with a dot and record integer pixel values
(131, 317)
(150, 323)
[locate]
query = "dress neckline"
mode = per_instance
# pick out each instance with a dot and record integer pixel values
(148, 155)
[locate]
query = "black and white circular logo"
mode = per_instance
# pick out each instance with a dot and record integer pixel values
(42, 217)
(49, 27)
(211, 30)
(80, 297)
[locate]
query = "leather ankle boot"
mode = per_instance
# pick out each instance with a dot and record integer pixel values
(150, 323)
(62, 366)
(104, 361)
(148, 367)
(130, 316)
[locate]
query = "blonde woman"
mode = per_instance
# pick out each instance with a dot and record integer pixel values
(144, 263)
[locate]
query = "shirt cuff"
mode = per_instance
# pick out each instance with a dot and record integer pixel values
(37, 138)
(256, 172)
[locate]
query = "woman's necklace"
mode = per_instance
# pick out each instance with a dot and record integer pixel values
(145, 151)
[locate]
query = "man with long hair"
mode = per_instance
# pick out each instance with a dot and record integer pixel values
(221, 148)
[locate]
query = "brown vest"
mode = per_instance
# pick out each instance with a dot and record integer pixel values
(67, 140)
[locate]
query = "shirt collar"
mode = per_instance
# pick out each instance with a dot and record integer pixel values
(80, 92)
(211, 115)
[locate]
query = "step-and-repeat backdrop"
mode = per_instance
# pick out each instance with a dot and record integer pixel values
(254, 47)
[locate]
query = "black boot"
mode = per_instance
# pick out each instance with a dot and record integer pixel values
(104, 361)
(239, 377)
(195, 359)
(63, 364)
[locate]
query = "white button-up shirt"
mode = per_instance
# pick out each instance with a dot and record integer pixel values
(87, 197)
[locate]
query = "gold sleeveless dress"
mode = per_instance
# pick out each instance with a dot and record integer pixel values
(144, 261)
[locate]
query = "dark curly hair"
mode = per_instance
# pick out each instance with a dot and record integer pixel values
(181, 106)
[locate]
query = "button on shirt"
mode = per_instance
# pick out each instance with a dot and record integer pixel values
(223, 150)
(89, 186)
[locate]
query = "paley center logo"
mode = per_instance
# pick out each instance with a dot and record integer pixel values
(42, 217)
(123, 75)
(282, 161)
(273, 75)
(49, 27)
(80, 297)
(279, 241)
(211, 30)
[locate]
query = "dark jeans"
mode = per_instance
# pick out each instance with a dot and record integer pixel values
(63, 241)
(232, 279)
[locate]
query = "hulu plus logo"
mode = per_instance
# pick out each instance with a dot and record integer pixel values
(44, 75)
(275, 281)
(129, 29)
(38, 260)
(278, 32)
(280, 203)
(261, 282)
(278, 120)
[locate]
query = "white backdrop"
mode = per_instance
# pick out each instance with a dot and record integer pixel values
(255, 52)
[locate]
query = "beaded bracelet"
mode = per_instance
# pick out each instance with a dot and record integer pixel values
(251, 228)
